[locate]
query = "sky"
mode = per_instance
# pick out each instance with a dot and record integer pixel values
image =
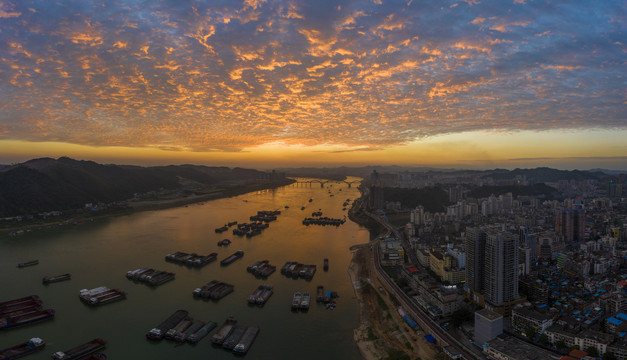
(471, 84)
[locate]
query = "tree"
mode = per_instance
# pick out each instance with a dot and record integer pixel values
(592, 351)
(544, 339)
(560, 345)
(460, 316)
(609, 356)
(530, 332)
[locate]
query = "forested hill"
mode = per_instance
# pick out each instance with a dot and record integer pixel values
(47, 184)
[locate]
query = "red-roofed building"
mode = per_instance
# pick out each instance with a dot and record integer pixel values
(578, 354)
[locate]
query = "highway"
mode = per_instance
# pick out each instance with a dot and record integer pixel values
(409, 303)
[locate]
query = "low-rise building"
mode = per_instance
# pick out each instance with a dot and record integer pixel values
(524, 319)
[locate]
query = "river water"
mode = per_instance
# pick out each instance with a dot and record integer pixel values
(99, 253)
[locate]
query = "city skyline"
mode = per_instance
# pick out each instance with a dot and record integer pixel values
(465, 84)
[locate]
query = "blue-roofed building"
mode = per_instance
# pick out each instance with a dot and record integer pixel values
(621, 316)
(613, 325)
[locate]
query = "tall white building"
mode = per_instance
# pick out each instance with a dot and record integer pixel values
(500, 268)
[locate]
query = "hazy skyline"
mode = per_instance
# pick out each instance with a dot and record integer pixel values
(468, 83)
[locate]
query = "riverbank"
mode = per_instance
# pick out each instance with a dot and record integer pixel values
(139, 206)
(382, 333)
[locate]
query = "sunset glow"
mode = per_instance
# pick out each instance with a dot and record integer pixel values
(272, 83)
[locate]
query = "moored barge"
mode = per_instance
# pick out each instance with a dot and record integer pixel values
(17, 351)
(224, 331)
(233, 338)
(246, 341)
(57, 278)
(150, 276)
(18, 301)
(157, 333)
(236, 255)
(22, 308)
(182, 336)
(101, 295)
(8, 321)
(214, 290)
(81, 350)
(304, 302)
(193, 259)
(28, 263)
(202, 332)
(298, 296)
(180, 327)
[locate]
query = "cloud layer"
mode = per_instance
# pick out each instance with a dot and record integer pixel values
(225, 75)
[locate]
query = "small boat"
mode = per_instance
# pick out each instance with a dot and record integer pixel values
(326, 264)
(57, 278)
(225, 242)
(222, 229)
(17, 351)
(28, 263)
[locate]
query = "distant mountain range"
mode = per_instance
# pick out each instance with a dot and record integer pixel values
(540, 175)
(47, 184)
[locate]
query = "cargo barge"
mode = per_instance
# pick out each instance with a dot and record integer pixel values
(323, 221)
(28, 263)
(150, 276)
(54, 279)
(224, 331)
(182, 336)
(18, 301)
(304, 302)
(320, 293)
(180, 327)
(81, 350)
(202, 332)
(101, 295)
(295, 270)
(8, 321)
(98, 356)
(22, 307)
(261, 295)
(298, 296)
(246, 340)
(261, 269)
(265, 295)
(17, 351)
(213, 290)
(192, 259)
(233, 338)
(157, 333)
(236, 255)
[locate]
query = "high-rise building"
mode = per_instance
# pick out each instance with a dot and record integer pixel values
(475, 253)
(570, 223)
(500, 268)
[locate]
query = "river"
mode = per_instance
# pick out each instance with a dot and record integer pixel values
(99, 253)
